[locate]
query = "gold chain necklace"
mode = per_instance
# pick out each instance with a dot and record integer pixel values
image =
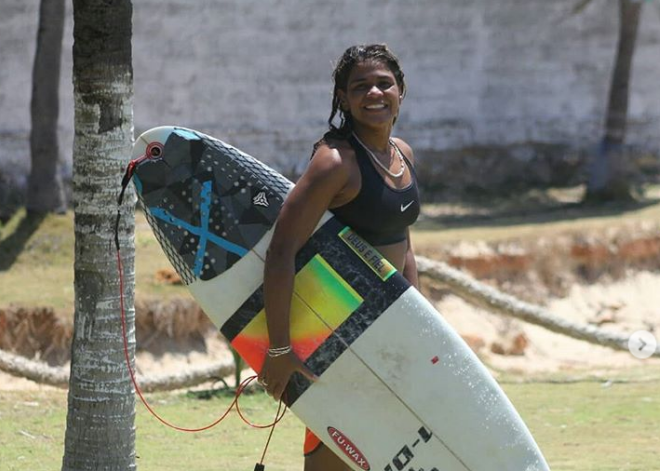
(379, 163)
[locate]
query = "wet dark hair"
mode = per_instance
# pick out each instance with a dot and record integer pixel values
(354, 55)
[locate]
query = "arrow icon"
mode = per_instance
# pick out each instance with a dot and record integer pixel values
(642, 344)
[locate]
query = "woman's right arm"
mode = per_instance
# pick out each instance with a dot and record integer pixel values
(325, 178)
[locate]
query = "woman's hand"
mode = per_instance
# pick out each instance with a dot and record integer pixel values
(276, 372)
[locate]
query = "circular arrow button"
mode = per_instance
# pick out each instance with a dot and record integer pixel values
(642, 344)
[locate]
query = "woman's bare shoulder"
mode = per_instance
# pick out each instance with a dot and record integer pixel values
(342, 146)
(332, 153)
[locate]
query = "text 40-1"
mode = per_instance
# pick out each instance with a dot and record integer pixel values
(405, 455)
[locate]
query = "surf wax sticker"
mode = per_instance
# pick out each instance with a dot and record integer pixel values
(367, 253)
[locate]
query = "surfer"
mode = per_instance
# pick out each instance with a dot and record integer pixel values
(366, 178)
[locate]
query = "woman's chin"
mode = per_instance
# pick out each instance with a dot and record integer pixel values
(376, 122)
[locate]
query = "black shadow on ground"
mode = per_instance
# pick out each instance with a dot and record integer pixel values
(12, 246)
(537, 214)
(7, 214)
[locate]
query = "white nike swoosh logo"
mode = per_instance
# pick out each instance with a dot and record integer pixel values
(403, 208)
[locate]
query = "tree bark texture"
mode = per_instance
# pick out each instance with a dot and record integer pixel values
(609, 177)
(45, 191)
(617, 108)
(100, 433)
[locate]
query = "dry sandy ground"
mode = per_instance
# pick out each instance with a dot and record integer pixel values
(630, 304)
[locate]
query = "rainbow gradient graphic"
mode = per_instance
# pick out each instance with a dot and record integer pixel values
(322, 300)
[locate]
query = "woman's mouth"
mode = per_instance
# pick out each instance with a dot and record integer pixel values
(377, 106)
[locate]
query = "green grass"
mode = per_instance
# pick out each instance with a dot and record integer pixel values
(32, 427)
(41, 268)
(580, 426)
(585, 426)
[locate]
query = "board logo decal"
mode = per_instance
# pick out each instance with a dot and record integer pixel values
(260, 199)
(348, 448)
(403, 208)
(367, 253)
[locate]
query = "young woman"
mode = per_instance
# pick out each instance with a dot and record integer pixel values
(366, 178)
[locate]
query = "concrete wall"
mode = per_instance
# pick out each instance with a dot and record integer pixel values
(257, 72)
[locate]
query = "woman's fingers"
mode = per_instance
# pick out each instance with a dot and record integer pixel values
(276, 373)
(278, 390)
(270, 387)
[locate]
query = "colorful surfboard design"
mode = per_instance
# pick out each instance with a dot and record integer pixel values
(398, 388)
(322, 291)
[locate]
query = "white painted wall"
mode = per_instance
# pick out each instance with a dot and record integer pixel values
(257, 72)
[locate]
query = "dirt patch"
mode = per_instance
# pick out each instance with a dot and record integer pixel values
(39, 333)
(162, 327)
(607, 279)
(629, 304)
(544, 267)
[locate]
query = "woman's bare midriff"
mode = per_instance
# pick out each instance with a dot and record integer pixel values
(395, 253)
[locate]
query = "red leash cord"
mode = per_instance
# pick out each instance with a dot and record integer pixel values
(234, 403)
(239, 389)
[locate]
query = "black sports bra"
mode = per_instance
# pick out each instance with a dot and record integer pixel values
(379, 213)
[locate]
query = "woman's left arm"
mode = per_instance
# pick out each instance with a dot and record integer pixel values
(410, 267)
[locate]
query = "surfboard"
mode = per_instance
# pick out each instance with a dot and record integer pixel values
(398, 388)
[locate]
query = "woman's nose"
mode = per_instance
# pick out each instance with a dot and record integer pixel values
(374, 90)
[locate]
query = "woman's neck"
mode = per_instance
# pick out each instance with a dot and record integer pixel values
(376, 139)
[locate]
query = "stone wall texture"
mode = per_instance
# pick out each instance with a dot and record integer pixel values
(482, 74)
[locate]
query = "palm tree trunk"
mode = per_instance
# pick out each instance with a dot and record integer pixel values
(609, 177)
(100, 431)
(45, 193)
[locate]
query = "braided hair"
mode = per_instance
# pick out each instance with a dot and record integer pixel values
(353, 56)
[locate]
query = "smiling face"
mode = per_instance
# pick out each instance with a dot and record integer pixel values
(372, 96)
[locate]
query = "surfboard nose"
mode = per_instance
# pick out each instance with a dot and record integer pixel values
(154, 135)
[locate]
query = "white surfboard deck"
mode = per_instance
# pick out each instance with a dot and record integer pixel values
(398, 389)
